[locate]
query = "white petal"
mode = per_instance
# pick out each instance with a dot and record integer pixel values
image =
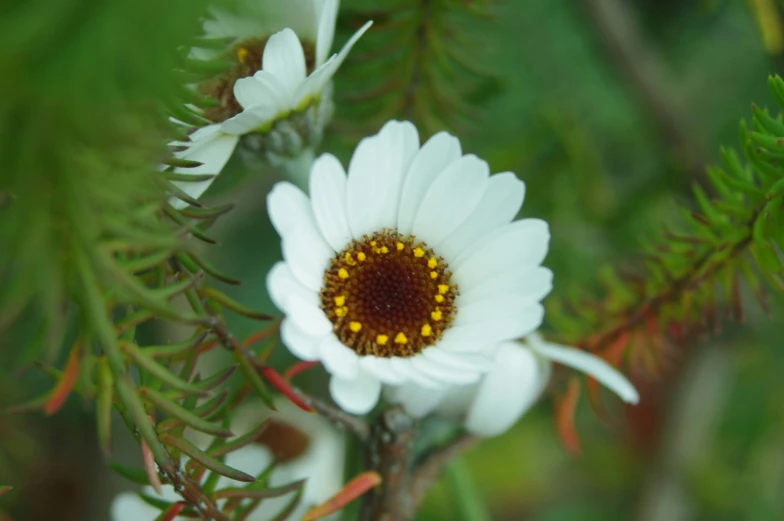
(288, 208)
(444, 374)
(357, 396)
(307, 256)
(434, 156)
(212, 148)
(532, 283)
(328, 196)
(417, 401)
(251, 119)
(304, 249)
(381, 368)
(301, 344)
(519, 244)
(279, 96)
(476, 335)
(326, 30)
(455, 403)
(307, 317)
(284, 58)
(507, 392)
(499, 306)
(315, 83)
(251, 459)
(128, 506)
(338, 359)
(251, 93)
(403, 366)
(281, 285)
(450, 199)
(375, 177)
(499, 205)
(475, 361)
(589, 364)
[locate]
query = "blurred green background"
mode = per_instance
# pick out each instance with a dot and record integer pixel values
(608, 110)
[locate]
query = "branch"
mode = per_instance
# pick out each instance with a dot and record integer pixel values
(389, 452)
(697, 274)
(420, 48)
(644, 73)
(193, 495)
(432, 466)
(353, 424)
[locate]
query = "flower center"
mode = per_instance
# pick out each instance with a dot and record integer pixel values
(388, 295)
(286, 443)
(247, 56)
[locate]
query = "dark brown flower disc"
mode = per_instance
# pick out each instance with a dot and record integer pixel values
(388, 295)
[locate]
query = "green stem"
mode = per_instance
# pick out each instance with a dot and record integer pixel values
(468, 502)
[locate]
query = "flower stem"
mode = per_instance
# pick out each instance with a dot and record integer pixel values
(389, 451)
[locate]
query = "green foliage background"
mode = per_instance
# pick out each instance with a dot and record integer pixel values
(553, 103)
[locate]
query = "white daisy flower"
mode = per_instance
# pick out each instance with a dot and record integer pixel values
(519, 376)
(280, 104)
(408, 269)
(305, 446)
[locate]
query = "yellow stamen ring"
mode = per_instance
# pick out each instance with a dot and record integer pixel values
(401, 294)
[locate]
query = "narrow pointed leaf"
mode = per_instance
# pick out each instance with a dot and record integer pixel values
(146, 262)
(185, 416)
(172, 290)
(204, 410)
(192, 228)
(104, 400)
(183, 163)
(253, 377)
(158, 371)
(284, 514)
(66, 382)
(283, 386)
(207, 213)
(351, 491)
(564, 416)
(211, 270)
(253, 493)
(229, 303)
(206, 461)
(217, 379)
(188, 178)
(156, 502)
(149, 468)
(133, 405)
(172, 350)
(172, 512)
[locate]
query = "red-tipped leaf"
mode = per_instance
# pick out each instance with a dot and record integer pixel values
(353, 489)
(282, 385)
(565, 408)
(66, 383)
(299, 367)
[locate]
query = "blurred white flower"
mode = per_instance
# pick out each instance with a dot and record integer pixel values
(517, 380)
(280, 109)
(408, 270)
(312, 20)
(305, 445)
